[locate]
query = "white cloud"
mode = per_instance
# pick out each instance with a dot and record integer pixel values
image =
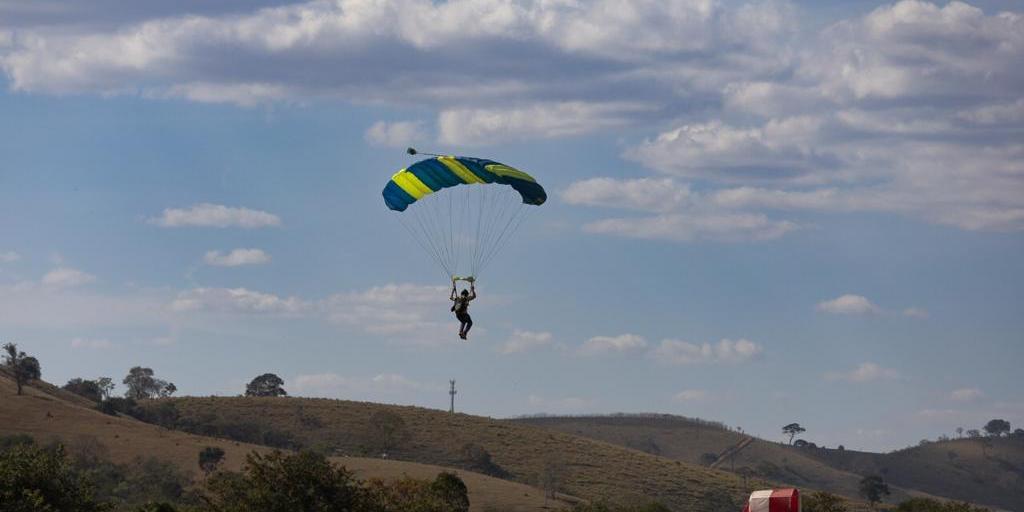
(382, 386)
(683, 227)
(779, 150)
(725, 351)
(236, 258)
(966, 394)
(66, 277)
(237, 300)
(753, 197)
(91, 344)
(523, 341)
(215, 215)
(915, 312)
(541, 120)
(435, 52)
(848, 304)
(409, 313)
(398, 134)
(601, 345)
(691, 395)
(9, 257)
(653, 195)
(865, 372)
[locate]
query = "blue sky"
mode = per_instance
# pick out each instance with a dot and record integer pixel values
(760, 212)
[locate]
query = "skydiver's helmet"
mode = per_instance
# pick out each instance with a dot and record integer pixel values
(465, 293)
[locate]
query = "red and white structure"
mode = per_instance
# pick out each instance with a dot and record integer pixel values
(774, 500)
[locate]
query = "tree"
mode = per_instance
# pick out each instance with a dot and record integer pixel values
(209, 458)
(267, 384)
(997, 428)
(959, 432)
(822, 501)
(86, 388)
(23, 367)
(142, 385)
(792, 430)
(106, 385)
(1018, 433)
(551, 476)
(973, 433)
(35, 478)
(452, 491)
(873, 488)
(478, 459)
(279, 482)
(387, 431)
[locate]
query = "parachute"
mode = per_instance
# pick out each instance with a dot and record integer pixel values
(462, 210)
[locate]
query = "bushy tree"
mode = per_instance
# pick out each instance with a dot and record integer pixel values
(87, 388)
(209, 458)
(142, 385)
(35, 479)
(996, 427)
(452, 492)
(24, 368)
(267, 384)
(387, 431)
(792, 430)
(822, 501)
(479, 459)
(106, 385)
(279, 482)
(873, 488)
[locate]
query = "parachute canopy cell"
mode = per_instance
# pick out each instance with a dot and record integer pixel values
(462, 211)
(433, 174)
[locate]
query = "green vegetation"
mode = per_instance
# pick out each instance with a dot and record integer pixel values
(267, 384)
(209, 458)
(873, 488)
(89, 389)
(823, 502)
(142, 384)
(35, 479)
(792, 430)
(278, 482)
(46, 479)
(22, 367)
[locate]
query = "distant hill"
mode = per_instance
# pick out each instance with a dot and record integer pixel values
(953, 469)
(48, 413)
(961, 469)
(581, 467)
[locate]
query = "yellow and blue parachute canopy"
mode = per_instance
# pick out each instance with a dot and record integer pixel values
(433, 174)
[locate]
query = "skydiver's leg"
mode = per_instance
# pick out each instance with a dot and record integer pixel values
(468, 324)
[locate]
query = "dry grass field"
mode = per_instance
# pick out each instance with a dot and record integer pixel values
(47, 413)
(582, 467)
(953, 469)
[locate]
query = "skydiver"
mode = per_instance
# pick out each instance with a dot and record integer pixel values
(461, 307)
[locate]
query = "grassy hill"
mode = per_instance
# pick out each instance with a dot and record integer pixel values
(955, 469)
(962, 469)
(48, 413)
(579, 466)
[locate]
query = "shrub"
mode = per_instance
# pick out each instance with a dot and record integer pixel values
(34, 478)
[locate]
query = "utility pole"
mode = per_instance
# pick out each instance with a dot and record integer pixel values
(452, 392)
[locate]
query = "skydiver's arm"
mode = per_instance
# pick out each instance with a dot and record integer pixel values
(472, 291)
(453, 291)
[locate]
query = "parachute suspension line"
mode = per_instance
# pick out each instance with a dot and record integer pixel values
(496, 223)
(515, 220)
(427, 248)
